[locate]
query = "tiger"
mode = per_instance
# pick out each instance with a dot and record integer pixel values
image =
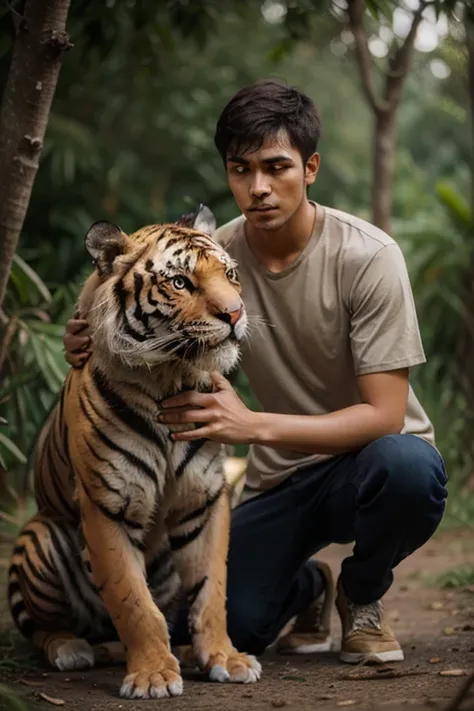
(132, 525)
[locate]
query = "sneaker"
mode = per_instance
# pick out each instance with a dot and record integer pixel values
(366, 637)
(310, 631)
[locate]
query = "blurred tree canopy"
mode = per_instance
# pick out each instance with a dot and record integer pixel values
(130, 139)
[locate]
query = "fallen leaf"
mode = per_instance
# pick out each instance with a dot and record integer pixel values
(434, 660)
(51, 699)
(453, 672)
(26, 682)
(437, 605)
(448, 631)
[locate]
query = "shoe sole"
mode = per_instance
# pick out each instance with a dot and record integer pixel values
(394, 655)
(316, 648)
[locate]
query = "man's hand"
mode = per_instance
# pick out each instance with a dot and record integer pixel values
(222, 415)
(77, 342)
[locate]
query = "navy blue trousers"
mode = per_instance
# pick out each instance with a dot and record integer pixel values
(388, 498)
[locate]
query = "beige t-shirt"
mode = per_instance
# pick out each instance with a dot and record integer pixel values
(343, 308)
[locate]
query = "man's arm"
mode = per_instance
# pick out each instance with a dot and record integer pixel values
(224, 417)
(382, 411)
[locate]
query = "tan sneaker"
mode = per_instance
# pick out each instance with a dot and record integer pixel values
(310, 631)
(366, 637)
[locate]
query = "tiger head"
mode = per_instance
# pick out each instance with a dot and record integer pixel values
(165, 293)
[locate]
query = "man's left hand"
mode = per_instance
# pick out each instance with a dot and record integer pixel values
(222, 415)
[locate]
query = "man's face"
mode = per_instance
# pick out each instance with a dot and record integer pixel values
(269, 184)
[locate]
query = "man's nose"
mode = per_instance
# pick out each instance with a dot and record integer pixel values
(260, 186)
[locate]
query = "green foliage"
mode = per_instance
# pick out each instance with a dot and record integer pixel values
(34, 366)
(10, 701)
(439, 248)
(461, 577)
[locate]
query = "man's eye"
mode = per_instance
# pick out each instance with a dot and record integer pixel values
(240, 169)
(232, 274)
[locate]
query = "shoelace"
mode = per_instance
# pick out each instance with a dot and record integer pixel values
(365, 615)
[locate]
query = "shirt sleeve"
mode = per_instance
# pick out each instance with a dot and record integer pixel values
(384, 331)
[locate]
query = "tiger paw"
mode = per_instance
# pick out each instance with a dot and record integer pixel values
(71, 654)
(158, 683)
(237, 667)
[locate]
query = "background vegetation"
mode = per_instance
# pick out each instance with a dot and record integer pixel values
(130, 139)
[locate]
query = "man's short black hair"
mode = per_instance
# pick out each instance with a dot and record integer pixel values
(265, 109)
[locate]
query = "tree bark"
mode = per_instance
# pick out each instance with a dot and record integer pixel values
(37, 55)
(383, 165)
(469, 24)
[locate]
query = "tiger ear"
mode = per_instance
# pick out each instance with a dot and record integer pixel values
(104, 242)
(201, 220)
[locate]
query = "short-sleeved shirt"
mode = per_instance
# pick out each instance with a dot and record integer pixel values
(342, 309)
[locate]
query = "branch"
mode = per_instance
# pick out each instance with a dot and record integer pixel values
(400, 63)
(355, 12)
(7, 338)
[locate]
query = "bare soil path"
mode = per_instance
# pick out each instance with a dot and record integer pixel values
(434, 624)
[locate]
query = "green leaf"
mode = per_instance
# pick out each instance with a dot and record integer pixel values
(40, 355)
(457, 206)
(33, 278)
(7, 443)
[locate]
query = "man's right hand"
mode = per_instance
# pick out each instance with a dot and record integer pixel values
(77, 342)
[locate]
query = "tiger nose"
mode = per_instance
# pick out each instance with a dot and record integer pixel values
(230, 317)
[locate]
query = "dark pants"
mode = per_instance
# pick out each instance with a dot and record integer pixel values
(388, 497)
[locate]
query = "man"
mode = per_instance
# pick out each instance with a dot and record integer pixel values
(342, 450)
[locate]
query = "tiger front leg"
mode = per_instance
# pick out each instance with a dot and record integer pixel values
(118, 569)
(200, 544)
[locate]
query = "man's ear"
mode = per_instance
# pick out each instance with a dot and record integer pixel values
(104, 242)
(311, 169)
(202, 220)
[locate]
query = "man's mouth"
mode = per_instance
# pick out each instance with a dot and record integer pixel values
(262, 208)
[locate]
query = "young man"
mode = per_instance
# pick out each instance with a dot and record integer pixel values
(342, 450)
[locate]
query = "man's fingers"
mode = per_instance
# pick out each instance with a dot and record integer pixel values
(185, 417)
(220, 381)
(200, 433)
(77, 360)
(76, 326)
(191, 397)
(76, 344)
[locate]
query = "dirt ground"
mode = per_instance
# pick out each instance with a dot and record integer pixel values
(435, 626)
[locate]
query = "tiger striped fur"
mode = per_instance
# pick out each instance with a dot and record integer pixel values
(129, 520)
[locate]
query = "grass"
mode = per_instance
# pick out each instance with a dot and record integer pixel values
(460, 577)
(459, 509)
(17, 653)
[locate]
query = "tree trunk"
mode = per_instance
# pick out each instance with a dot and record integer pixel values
(37, 54)
(382, 173)
(470, 87)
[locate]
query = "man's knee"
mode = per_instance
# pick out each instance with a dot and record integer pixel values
(406, 468)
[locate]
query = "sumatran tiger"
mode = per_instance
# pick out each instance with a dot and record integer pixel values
(129, 521)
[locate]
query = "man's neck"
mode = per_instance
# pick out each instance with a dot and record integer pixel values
(277, 249)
